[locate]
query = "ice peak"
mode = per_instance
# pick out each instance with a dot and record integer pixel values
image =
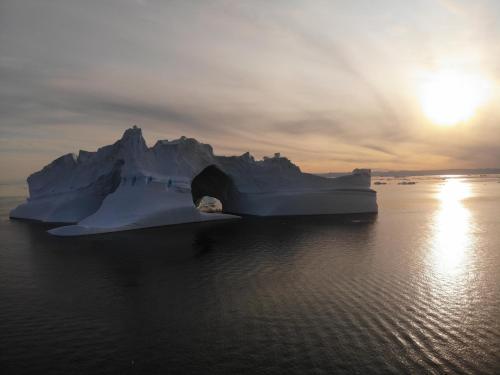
(132, 139)
(133, 132)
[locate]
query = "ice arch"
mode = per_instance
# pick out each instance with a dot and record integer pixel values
(213, 182)
(85, 189)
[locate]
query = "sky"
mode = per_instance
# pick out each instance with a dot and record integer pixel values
(332, 85)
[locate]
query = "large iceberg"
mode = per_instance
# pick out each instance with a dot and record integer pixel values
(128, 185)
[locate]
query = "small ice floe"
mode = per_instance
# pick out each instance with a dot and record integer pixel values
(406, 183)
(209, 204)
(380, 183)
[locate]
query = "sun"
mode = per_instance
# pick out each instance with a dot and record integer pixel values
(449, 98)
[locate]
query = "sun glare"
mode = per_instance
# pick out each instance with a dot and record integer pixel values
(449, 98)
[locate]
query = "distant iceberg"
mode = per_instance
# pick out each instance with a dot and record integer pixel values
(406, 183)
(128, 185)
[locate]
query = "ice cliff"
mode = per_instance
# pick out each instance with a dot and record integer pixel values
(128, 185)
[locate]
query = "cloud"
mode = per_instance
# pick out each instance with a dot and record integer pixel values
(331, 85)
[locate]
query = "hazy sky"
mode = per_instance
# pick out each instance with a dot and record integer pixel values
(333, 85)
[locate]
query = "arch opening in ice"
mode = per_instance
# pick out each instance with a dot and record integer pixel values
(213, 183)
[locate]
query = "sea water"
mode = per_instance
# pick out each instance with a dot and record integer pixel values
(414, 289)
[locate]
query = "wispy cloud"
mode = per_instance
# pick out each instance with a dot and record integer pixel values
(331, 85)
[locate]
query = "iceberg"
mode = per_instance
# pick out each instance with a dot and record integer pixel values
(128, 185)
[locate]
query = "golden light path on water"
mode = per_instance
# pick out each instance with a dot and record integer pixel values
(451, 241)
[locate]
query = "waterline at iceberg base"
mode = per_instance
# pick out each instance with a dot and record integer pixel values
(128, 185)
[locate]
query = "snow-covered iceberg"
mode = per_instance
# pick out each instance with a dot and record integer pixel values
(128, 185)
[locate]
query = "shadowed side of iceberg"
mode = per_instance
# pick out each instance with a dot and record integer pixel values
(67, 204)
(308, 202)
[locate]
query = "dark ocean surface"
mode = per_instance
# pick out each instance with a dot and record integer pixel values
(415, 289)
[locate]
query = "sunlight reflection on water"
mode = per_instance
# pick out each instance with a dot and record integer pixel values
(451, 239)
